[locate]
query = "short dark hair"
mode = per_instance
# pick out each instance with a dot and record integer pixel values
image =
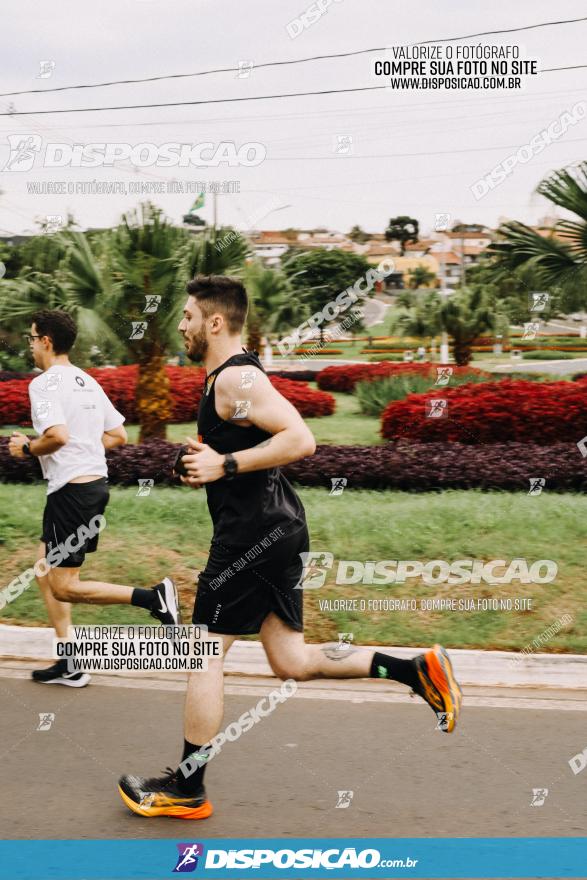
(221, 293)
(59, 326)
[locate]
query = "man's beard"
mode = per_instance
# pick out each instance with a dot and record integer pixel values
(198, 346)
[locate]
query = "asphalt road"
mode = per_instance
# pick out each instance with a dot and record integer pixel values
(281, 778)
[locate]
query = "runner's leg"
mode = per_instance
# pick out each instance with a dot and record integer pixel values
(290, 657)
(204, 699)
(59, 613)
(66, 586)
(430, 675)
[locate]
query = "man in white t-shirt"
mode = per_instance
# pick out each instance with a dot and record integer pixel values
(76, 424)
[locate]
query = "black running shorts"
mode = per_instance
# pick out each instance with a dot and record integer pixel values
(73, 506)
(240, 587)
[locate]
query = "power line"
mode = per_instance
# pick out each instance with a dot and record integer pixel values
(294, 61)
(463, 102)
(191, 103)
(220, 100)
(411, 153)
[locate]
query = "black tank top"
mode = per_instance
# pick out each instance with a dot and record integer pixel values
(251, 505)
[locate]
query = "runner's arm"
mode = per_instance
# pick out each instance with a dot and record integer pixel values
(267, 409)
(115, 437)
(50, 441)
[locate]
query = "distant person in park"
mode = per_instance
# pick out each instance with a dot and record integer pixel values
(246, 432)
(76, 423)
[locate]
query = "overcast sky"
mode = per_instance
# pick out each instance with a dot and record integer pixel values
(413, 152)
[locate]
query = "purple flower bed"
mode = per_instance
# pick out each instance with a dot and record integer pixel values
(417, 467)
(421, 467)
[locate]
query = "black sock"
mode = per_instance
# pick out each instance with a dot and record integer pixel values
(143, 598)
(191, 776)
(385, 666)
(62, 664)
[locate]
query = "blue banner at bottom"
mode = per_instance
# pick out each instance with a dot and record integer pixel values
(527, 857)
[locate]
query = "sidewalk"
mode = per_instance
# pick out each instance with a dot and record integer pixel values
(495, 669)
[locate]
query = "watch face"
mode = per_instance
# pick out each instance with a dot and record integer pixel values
(230, 467)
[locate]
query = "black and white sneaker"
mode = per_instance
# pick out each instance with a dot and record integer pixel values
(58, 674)
(166, 605)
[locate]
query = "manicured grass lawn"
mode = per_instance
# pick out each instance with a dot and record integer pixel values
(168, 532)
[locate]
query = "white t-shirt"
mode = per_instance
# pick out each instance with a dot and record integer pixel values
(65, 395)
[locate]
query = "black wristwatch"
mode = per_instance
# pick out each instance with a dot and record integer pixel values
(26, 448)
(230, 466)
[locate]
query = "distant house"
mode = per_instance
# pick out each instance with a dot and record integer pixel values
(270, 246)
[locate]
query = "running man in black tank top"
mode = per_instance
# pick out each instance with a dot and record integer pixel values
(246, 431)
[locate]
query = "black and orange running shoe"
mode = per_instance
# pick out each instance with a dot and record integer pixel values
(438, 686)
(161, 796)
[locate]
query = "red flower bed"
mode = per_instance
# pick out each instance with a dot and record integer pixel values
(344, 378)
(186, 389)
(493, 412)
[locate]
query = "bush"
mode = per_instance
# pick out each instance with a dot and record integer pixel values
(314, 352)
(119, 383)
(422, 467)
(375, 394)
(542, 355)
(494, 412)
(419, 467)
(345, 377)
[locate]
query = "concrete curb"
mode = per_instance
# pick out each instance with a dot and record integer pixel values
(475, 668)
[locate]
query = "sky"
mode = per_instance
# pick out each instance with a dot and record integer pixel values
(332, 160)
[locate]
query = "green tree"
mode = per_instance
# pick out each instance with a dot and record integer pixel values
(273, 306)
(318, 276)
(126, 289)
(359, 235)
(558, 261)
(403, 229)
(463, 316)
(420, 276)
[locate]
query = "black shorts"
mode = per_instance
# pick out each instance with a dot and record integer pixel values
(73, 506)
(235, 594)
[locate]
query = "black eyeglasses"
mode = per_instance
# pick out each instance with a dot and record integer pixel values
(29, 337)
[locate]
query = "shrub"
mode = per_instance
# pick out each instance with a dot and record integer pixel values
(375, 394)
(542, 355)
(419, 467)
(494, 412)
(119, 383)
(313, 352)
(422, 467)
(345, 377)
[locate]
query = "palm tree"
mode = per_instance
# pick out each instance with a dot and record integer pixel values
(420, 276)
(559, 259)
(222, 253)
(128, 287)
(273, 304)
(463, 317)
